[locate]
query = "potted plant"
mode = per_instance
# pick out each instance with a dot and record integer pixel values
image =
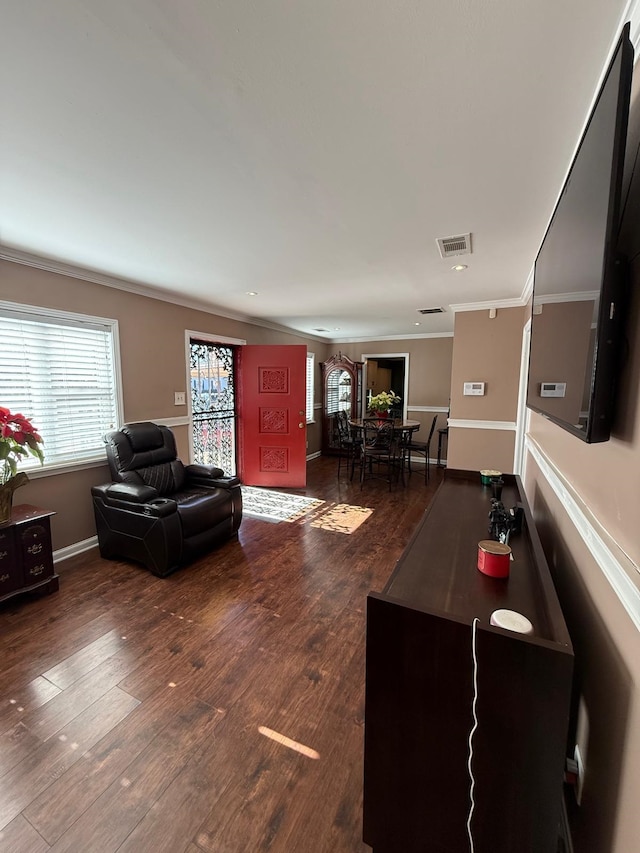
(18, 439)
(382, 402)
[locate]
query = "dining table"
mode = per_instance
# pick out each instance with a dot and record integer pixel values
(403, 425)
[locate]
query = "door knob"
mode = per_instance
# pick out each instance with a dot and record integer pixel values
(301, 425)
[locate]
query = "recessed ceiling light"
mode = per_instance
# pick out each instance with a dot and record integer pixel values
(416, 324)
(459, 267)
(252, 292)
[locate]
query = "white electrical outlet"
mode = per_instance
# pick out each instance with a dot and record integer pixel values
(180, 398)
(577, 755)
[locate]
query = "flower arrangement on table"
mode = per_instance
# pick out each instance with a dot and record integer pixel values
(18, 439)
(382, 402)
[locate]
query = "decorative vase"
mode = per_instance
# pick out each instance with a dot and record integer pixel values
(382, 414)
(6, 495)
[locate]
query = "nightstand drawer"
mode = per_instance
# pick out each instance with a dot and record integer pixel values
(35, 544)
(10, 577)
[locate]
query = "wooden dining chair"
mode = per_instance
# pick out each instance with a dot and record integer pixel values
(380, 451)
(422, 447)
(348, 443)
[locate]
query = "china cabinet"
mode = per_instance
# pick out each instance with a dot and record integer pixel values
(341, 391)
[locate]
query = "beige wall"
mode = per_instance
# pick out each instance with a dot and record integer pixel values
(563, 334)
(485, 350)
(152, 352)
(476, 449)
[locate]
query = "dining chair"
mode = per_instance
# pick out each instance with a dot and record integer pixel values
(348, 442)
(380, 448)
(422, 447)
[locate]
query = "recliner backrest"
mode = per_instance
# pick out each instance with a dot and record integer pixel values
(145, 453)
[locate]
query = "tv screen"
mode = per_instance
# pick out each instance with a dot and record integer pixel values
(579, 278)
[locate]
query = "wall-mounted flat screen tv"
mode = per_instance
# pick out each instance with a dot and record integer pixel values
(580, 280)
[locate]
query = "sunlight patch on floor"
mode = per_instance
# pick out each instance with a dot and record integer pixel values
(291, 744)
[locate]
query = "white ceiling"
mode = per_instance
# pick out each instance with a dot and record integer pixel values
(310, 150)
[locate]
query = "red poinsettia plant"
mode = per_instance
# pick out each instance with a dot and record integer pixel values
(18, 439)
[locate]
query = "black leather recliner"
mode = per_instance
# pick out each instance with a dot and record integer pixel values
(158, 511)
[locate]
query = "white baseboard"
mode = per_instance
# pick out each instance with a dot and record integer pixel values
(77, 548)
(315, 455)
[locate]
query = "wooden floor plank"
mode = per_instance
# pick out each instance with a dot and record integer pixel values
(66, 799)
(20, 837)
(47, 720)
(24, 699)
(80, 663)
(136, 792)
(21, 785)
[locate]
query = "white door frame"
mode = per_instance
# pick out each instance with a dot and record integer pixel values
(523, 414)
(405, 390)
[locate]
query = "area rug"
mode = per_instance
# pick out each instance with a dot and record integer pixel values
(276, 506)
(343, 518)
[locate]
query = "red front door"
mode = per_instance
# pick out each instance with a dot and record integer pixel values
(272, 434)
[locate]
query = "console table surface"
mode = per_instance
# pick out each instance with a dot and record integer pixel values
(438, 570)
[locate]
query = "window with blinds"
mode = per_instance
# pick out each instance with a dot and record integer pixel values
(59, 370)
(310, 386)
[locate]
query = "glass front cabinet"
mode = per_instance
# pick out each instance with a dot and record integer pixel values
(341, 391)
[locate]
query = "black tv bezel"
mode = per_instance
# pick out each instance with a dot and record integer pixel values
(614, 276)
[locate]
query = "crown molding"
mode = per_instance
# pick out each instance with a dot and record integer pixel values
(371, 339)
(487, 305)
(27, 259)
(578, 296)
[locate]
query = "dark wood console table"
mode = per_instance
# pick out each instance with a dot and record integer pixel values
(26, 561)
(420, 689)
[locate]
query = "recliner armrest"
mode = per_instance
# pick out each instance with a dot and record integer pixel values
(132, 492)
(207, 471)
(142, 500)
(209, 475)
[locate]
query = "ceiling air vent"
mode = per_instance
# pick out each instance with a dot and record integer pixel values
(321, 330)
(450, 246)
(430, 310)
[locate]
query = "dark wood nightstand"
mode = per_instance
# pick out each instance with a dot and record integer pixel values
(26, 561)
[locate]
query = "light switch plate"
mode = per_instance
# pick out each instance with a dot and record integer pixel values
(180, 398)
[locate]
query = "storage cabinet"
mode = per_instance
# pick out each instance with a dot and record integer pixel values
(26, 560)
(341, 391)
(425, 653)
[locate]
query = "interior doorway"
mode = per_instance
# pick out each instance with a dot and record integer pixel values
(387, 371)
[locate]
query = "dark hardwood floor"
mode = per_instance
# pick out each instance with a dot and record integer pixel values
(146, 714)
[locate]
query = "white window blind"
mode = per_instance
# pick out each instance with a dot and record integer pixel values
(310, 386)
(59, 372)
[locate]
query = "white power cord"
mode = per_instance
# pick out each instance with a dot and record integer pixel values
(473, 729)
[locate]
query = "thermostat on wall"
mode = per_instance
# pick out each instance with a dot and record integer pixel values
(473, 389)
(552, 389)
